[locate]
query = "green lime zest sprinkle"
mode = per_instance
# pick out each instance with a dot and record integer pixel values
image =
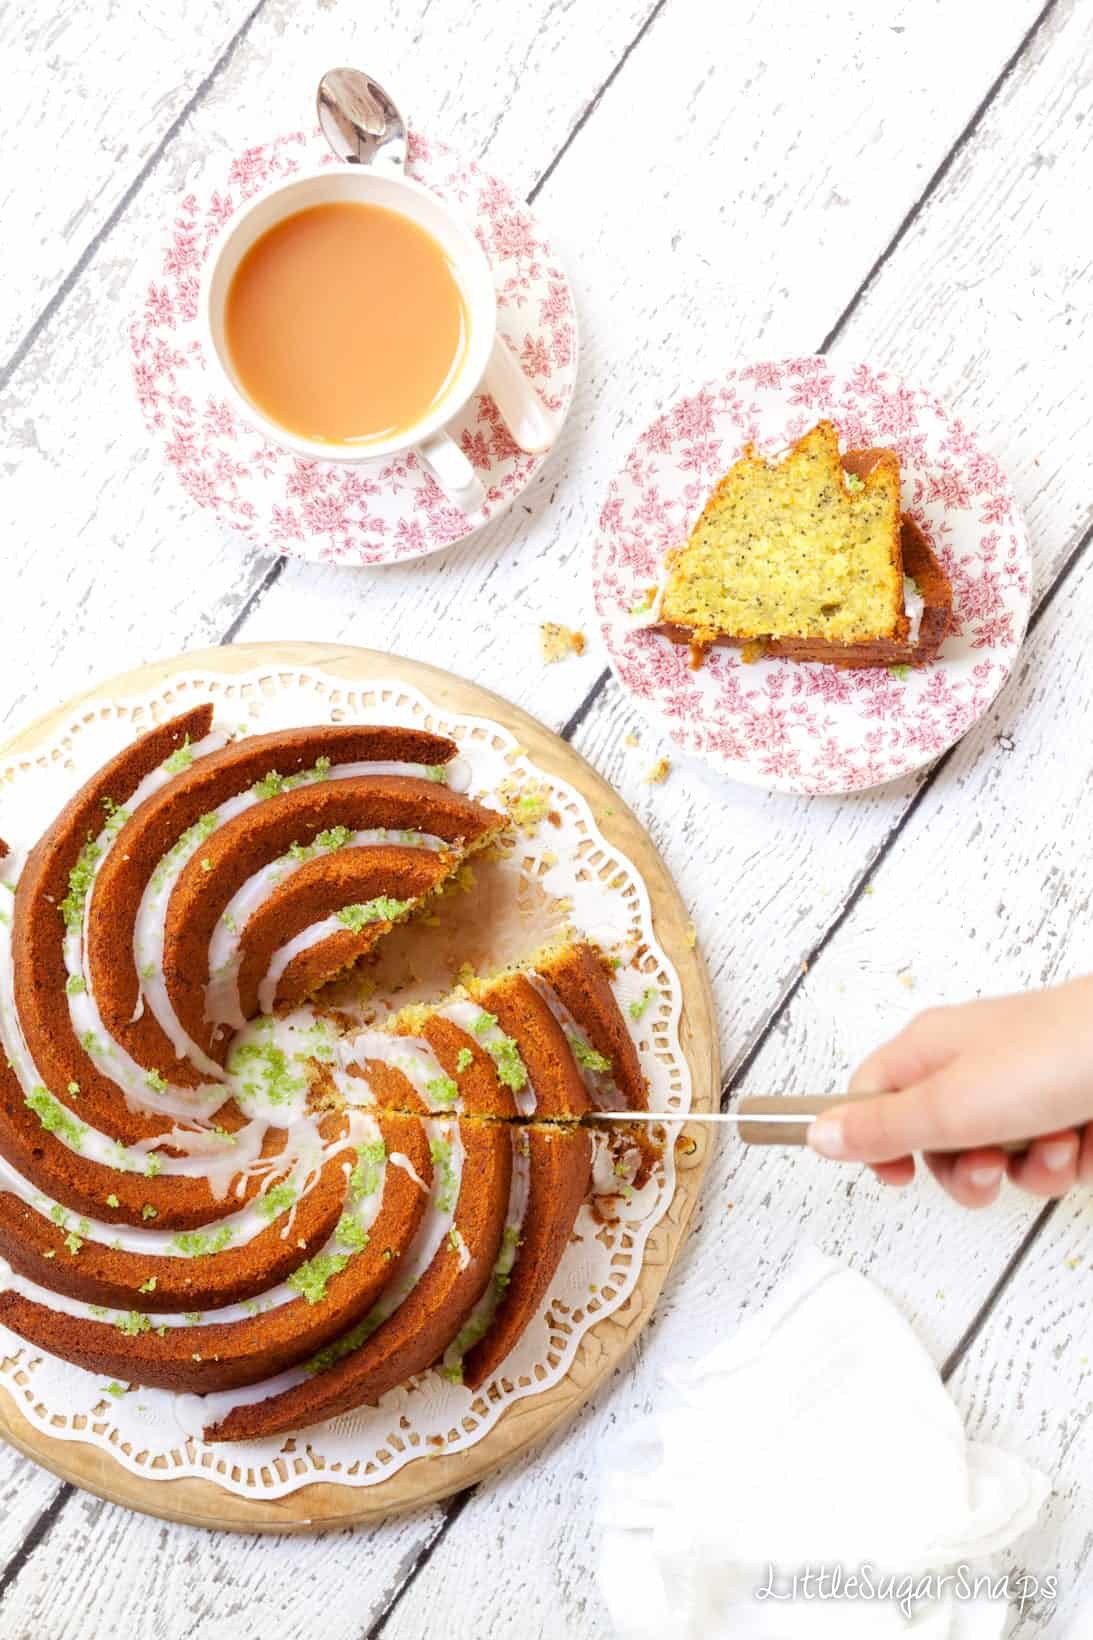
(334, 838)
(190, 840)
(90, 1043)
(463, 1060)
(441, 1152)
(269, 786)
(365, 1177)
(452, 1371)
(192, 1317)
(455, 1240)
(148, 1211)
(54, 1118)
(351, 1234)
(437, 772)
(510, 1066)
(156, 1081)
(148, 1286)
(80, 879)
(587, 1056)
(381, 909)
(133, 1323)
(73, 1242)
(853, 482)
(272, 1075)
(75, 985)
(196, 1243)
(180, 758)
(112, 1200)
(116, 1390)
(153, 1166)
(637, 1009)
(277, 1199)
(442, 1090)
(902, 672)
(74, 1089)
(273, 783)
(484, 1024)
(311, 1278)
(58, 1214)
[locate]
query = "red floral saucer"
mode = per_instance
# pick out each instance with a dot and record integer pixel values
(785, 725)
(374, 512)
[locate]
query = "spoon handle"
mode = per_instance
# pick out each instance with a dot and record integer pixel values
(533, 427)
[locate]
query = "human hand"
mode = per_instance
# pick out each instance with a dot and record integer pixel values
(960, 1081)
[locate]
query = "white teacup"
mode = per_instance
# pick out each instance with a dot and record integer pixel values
(487, 362)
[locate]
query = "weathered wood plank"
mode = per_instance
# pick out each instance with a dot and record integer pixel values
(25, 1490)
(103, 1570)
(89, 94)
(1026, 1385)
(116, 546)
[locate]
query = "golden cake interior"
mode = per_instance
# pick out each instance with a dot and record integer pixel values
(793, 548)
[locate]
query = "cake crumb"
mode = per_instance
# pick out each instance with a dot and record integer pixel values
(658, 774)
(691, 936)
(559, 641)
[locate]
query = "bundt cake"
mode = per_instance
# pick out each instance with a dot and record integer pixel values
(209, 1184)
(806, 557)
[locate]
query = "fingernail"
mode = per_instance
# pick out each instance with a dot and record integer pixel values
(826, 1136)
(1058, 1155)
(984, 1177)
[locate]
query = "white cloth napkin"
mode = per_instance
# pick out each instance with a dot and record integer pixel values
(819, 1435)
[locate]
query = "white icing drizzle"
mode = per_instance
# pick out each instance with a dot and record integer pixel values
(397, 1159)
(409, 1054)
(599, 1085)
(481, 1316)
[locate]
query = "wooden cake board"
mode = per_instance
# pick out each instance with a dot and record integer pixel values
(323, 1505)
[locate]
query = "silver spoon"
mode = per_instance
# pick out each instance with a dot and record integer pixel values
(359, 120)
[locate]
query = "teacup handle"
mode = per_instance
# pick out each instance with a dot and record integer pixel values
(533, 427)
(452, 471)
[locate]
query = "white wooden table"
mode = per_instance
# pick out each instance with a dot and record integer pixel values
(906, 182)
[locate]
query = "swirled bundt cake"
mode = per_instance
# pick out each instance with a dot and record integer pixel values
(209, 1185)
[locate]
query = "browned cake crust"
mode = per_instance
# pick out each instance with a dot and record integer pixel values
(424, 1324)
(524, 1015)
(579, 976)
(227, 1355)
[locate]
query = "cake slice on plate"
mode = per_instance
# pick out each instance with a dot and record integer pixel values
(806, 557)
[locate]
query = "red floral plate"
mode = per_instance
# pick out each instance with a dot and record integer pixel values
(788, 725)
(373, 512)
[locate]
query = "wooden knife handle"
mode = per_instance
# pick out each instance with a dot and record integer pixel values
(757, 1132)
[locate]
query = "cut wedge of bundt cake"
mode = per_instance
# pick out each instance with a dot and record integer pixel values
(805, 557)
(206, 1186)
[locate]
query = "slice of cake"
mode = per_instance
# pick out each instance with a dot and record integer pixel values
(806, 557)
